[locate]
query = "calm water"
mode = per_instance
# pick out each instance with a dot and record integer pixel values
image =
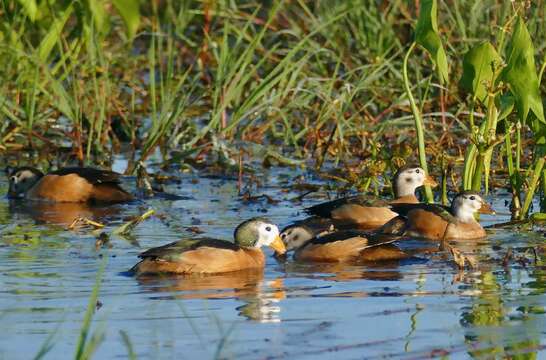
(417, 309)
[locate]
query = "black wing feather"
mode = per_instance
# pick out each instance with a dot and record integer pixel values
(314, 224)
(92, 175)
(325, 209)
(443, 211)
(178, 247)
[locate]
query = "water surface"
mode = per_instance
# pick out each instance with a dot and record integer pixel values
(416, 309)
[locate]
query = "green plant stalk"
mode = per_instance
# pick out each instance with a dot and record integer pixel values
(419, 129)
(483, 159)
(152, 80)
(84, 345)
(543, 200)
(32, 104)
(477, 177)
(469, 166)
(470, 156)
(508, 150)
(512, 172)
(539, 165)
(518, 146)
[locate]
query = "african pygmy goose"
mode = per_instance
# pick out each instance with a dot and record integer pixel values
(73, 184)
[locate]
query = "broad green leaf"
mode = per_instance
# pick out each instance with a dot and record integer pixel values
(478, 69)
(539, 132)
(506, 105)
(31, 8)
(53, 34)
(426, 35)
(129, 11)
(520, 73)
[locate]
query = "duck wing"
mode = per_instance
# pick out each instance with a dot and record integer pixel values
(372, 239)
(442, 211)
(92, 175)
(172, 251)
(325, 209)
(315, 225)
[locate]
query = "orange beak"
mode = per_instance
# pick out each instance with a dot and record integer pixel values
(486, 209)
(278, 246)
(429, 181)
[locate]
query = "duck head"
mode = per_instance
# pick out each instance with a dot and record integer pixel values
(258, 232)
(408, 178)
(21, 179)
(467, 203)
(294, 236)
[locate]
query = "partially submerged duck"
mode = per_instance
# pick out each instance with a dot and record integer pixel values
(366, 212)
(437, 222)
(213, 256)
(301, 231)
(349, 246)
(73, 184)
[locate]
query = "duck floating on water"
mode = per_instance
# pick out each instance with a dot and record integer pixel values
(213, 256)
(357, 212)
(349, 246)
(72, 184)
(437, 222)
(367, 212)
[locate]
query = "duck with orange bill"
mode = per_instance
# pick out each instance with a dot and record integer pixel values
(437, 222)
(213, 256)
(367, 212)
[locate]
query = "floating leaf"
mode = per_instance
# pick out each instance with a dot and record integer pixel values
(520, 73)
(129, 11)
(426, 35)
(478, 69)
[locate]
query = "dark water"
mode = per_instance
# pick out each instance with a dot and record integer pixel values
(416, 309)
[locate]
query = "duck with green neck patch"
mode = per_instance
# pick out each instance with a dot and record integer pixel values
(213, 256)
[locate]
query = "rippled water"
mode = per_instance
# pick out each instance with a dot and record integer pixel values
(415, 309)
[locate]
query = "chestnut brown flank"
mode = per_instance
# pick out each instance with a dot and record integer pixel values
(205, 260)
(73, 188)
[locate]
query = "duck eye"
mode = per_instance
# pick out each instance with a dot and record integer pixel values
(472, 197)
(13, 179)
(283, 235)
(417, 171)
(268, 228)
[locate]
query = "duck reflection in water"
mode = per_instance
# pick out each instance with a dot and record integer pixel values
(62, 213)
(261, 297)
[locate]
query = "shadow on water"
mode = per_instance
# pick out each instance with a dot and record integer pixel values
(419, 307)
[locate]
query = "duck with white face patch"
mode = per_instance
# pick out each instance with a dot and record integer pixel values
(437, 222)
(366, 212)
(213, 256)
(301, 231)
